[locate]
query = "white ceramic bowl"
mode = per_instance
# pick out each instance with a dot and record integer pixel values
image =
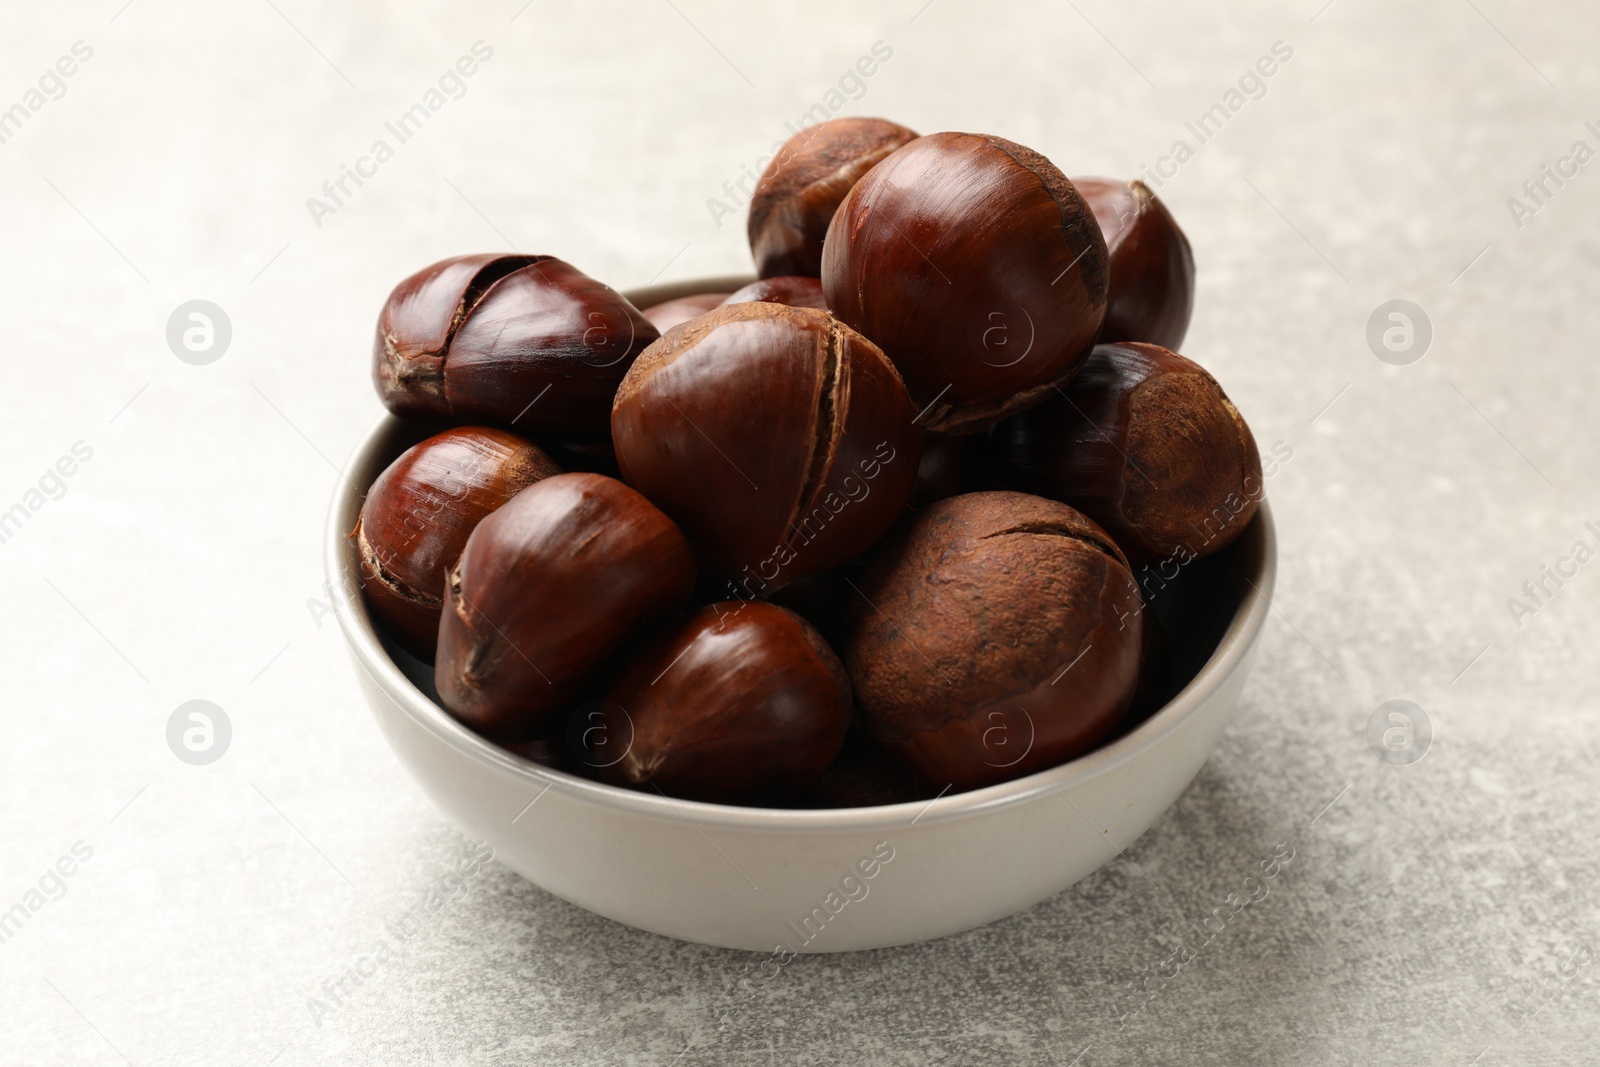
(811, 880)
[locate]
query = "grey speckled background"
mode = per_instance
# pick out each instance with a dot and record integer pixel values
(1426, 914)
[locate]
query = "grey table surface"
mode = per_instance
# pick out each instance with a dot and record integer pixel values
(1441, 912)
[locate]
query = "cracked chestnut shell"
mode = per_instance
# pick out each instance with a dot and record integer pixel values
(801, 188)
(548, 587)
(977, 267)
(1147, 444)
(799, 292)
(667, 314)
(1152, 267)
(738, 702)
(526, 342)
(1003, 637)
(418, 514)
(781, 440)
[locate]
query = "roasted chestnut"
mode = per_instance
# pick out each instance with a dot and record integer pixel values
(1001, 636)
(793, 290)
(798, 192)
(666, 315)
(976, 266)
(738, 702)
(525, 342)
(1151, 265)
(780, 440)
(1145, 443)
(418, 514)
(547, 588)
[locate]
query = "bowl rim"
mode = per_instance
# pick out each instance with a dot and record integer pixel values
(1237, 640)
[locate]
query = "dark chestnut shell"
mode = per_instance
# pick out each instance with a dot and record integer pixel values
(1152, 266)
(525, 342)
(976, 266)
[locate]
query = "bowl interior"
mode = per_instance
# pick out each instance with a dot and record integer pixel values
(1211, 610)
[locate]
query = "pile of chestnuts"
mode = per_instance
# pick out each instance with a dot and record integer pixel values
(867, 529)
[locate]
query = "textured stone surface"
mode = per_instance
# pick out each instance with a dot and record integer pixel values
(1421, 908)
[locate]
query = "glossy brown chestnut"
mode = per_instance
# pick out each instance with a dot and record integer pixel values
(977, 267)
(525, 342)
(665, 316)
(1147, 444)
(780, 440)
(547, 588)
(419, 513)
(1003, 639)
(738, 702)
(1152, 266)
(794, 290)
(798, 192)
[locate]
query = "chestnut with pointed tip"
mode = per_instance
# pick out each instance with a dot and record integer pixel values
(781, 440)
(418, 514)
(664, 316)
(801, 188)
(1147, 444)
(739, 702)
(796, 291)
(1152, 267)
(548, 588)
(1003, 638)
(526, 342)
(976, 266)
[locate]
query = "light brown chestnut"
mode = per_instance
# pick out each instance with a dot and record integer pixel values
(1151, 264)
(525, 342)
(666, 315)
(781, 440)
(794, 290)
(738, 702)
(547, 588)
(798, 192)
(1002, 637)
(1147, 444)
(976, 266)
(417, 517)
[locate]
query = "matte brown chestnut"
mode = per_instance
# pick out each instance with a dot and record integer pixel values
(1003, 638)
(977, 267)
(547, 588)
(417, 517)
(526, 342)
(1152, 266)
(740, 701)
(794, 290)
(666, 315)
(1147, 444)
(780, 439)
(798, 192)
